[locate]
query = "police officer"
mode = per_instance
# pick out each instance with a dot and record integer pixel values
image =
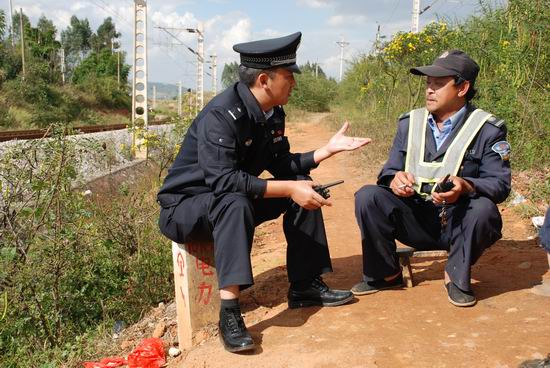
(213, 192)
(449, 136)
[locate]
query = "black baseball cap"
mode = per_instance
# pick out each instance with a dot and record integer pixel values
(271, 53)
(450, 63)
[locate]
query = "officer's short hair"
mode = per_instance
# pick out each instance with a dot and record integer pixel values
(471, 91)
(249, 75)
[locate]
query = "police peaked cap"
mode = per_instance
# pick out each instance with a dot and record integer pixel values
(450, 63)
(271, 53)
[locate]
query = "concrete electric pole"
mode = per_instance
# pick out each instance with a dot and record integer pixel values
(214, 67)
(180, 107)
(62, 59)
(22, 35)
(199, 100)
(342, 44)
(415, 16)
(139, 80)
(10, 18)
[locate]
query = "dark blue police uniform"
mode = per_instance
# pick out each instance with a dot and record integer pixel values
(212, 191)
(474, 222)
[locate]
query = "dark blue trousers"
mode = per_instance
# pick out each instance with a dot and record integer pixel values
(474, 224)
(229, 221)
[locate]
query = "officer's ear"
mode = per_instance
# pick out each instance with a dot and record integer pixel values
(262, 79)
(463, 88)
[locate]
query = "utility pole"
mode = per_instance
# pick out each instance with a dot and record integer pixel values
(199, 100)
(316, 70)
(342, 44)
(62, 57)
(214, 74)
(199, 103)
(415, 16)
(154, 97)
(118, 68)
(180, 110)
(12, 35)
(22, 40)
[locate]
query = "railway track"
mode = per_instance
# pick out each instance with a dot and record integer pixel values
(10, 135)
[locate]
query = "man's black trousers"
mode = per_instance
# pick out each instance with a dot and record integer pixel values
(474, 224)
(229, 221)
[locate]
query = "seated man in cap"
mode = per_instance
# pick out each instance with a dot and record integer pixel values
(411, 203)
(212, 191)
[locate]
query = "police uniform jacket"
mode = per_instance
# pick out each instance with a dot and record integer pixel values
(484, 168)
(228, 145)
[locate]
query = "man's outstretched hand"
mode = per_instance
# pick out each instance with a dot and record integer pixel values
(340, 142)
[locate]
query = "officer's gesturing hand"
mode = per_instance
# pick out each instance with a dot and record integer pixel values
(302, 193)
(461, 186)
(338, 143)
(402, 183)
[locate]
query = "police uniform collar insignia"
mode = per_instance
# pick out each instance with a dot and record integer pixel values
(503, 149)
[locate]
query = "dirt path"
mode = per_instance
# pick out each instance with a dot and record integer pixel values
(414, 327)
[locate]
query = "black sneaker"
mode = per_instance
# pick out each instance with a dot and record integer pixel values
(318, 294)
(233, 332)
(371, 287)
(459, 297)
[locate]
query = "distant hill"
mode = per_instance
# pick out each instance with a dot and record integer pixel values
(164, 91)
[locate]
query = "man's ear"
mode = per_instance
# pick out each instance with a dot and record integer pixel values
(463, 88)
(262, 80)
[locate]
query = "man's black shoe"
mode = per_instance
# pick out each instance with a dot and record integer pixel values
(318, 294)
(233, 332)
(459, 297)
(371, 287)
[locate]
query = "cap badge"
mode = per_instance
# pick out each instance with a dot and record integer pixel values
(444, 55)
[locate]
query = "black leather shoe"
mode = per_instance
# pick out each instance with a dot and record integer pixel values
(318, 294)
(459, 297)
(233, 332)
(370, 287)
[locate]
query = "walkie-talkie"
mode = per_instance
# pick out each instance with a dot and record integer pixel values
(444, 185)
(323, 189)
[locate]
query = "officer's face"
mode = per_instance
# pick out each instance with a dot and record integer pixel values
(280, 85)
(442, 95)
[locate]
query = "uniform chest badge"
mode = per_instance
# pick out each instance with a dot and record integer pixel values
(503, 149)
(248, 142)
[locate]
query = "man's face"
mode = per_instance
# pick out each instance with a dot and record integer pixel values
(442, 95)
(280, 85)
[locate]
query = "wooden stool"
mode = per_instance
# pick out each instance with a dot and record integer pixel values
(405, 254)
(197, 300)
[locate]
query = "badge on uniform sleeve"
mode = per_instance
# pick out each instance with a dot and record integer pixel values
(248, 142)
(503, 149)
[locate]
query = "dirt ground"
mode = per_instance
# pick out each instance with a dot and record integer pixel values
(415, 327)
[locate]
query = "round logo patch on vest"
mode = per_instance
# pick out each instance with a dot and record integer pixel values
(503, 149)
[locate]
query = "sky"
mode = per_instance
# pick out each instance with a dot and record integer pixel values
(226, 22)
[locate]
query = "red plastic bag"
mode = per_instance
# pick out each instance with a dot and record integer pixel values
(107, 363)
(148, 354)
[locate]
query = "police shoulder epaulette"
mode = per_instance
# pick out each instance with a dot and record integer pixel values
(404, 115)
(495, 121)
(236, 111)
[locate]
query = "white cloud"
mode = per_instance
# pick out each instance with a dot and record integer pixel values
(346, 20)
(315, 3)
(240, 32)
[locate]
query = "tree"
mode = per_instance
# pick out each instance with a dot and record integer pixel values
(230, 74)
(76, 40)
(106, 35)
(313, 69)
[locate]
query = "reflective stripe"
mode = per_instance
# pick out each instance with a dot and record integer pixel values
(431, 172)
